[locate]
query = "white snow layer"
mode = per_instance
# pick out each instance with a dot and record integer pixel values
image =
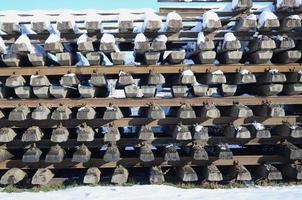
(198, 128)
(150, 16)
(187, 72)
(252, 17)
(2, 45)
(173, 16)
(83, 38)
(161, 38)
(92, 17)
(298, 3)
(266, 15)
(201, 38)
(244, 71)
(234, 4)
(297, 17)
(258, 126)
(23, 39)
(218, 72)
(53, 38)
(140, 38)
(207, 16)
(108, 38)
(229, 37)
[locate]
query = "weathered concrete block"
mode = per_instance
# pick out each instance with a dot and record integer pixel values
(32, 134)
(240, 111)
(224, 153)
(187, 174)
(291, 151)
(12, 176)
(59, 91)
(146, 133)
(227, 90)
(230, 57)
(112, 113)
(98, 80)
(131, 91)
(10, 27)
(61, 113)
(200, 90)
(20, 113)
(54, 47)
(293, 77)
(269, 172)
(40, 26)
(145, 153)
(158, 45)
(41, 92)
(270, 89)
(271, 77)
(65, 58)
(230, 45)
(259, 131)
(180, 90)
(262, 44)
(3, 92)
(85, 113)
(107, 47)
(15, 81)
(289, 56)
(125, 25)
(125, 79)
(65, 26)
(206, 57)
(93, 25)
(81, 155)
(242, 5)
(85, 46)
(112, 135)
(41, 112)
(32, 155)
(156, 112)
(285, 5)
(148, 91)
(42, 177)
(212, 25)
(39, 80)
(70, 79)
(186, 112)
(199, 153)
(120, 175)
(59, 134)
(118, 58)
(141, 46)
(290, 22)
(85, 133)
(287, 130)
(293, 171)
(92, 176)
(268, 24)
(7, 134)
(20, 48)
(36, 59)
(112, 154)
(182, 132)
(55, 155)
(87, 91)
(152, 24)
(292, 89)
(243, 77)
(209, 111)
(213, 78)
(171, 153)
(156, 175)
(237, 132)
(173, 22)
(205, 45)
(151, 58)
(176, 57)
(269, 110)
(4, 154)
(94, 58)
(200, 132)
(240, 173)
(245, 24)
(187, 78)
(212, 173)
(156, 79)
(11, 60)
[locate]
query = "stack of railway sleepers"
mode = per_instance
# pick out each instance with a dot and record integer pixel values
(203, 93)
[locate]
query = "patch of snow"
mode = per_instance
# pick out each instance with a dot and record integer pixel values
(41, 17)
(125, 16)
(229, 37)
(252, 17)
(235, 4)
(83, 38)
(173, 16)
(217, 72)
(187, 72)
(53, 38)
(108, 38)
(161, 38)
(82, 60)
(293, 127)
(297, 17)
(207, 16)
(140, 38)
(258, 126)
(244, 71)
(298, 3)
(201, 38)
(150, 16)
(2, 45)
(198, 128)
(264, 16)
(92, 17)
(273, 71)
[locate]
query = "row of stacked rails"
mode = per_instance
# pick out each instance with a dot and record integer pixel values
(214, 96)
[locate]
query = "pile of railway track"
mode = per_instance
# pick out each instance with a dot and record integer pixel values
(208, 94)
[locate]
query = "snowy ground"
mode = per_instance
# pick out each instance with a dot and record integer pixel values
(148, 192)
